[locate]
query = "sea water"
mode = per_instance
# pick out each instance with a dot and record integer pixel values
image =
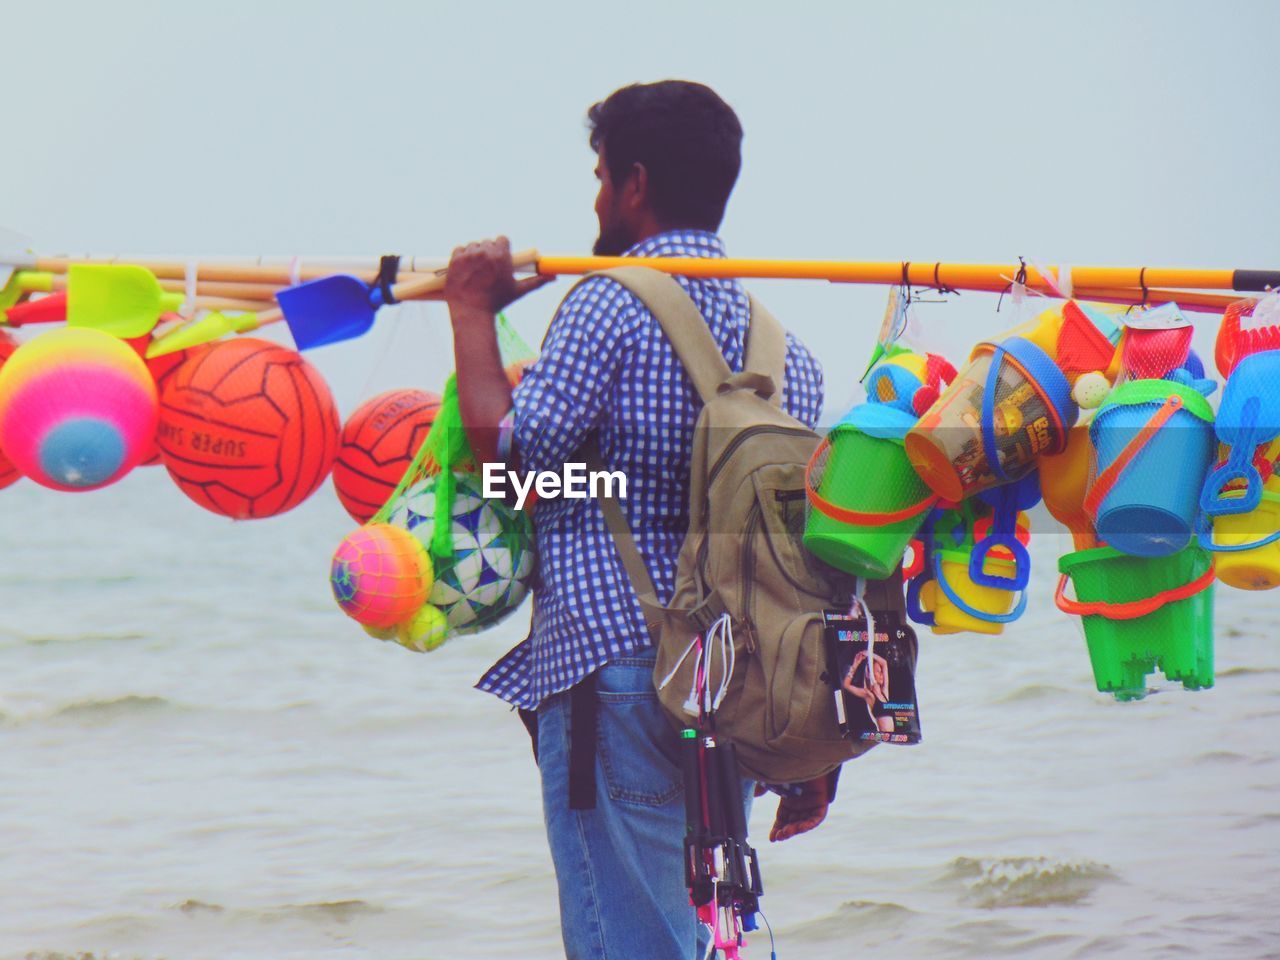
(202, 758)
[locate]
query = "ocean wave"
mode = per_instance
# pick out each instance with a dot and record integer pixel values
(94, 709)
(64, 579)
(127, 705)
(1254, 821)
(1000, 882)
(862, 915)
(1245, 672)
(49, 639)
(198, 906)
(1221, 756)
(325, 911)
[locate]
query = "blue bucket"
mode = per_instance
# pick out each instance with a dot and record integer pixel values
(1148, 505)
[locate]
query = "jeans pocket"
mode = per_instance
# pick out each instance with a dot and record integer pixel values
(636, 742)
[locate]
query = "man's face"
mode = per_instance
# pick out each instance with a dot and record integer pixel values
(615, 236)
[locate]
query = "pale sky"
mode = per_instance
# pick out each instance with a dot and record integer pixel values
(1087, 133)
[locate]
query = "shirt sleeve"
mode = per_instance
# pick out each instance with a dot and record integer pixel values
(804, 393)
(563, 395)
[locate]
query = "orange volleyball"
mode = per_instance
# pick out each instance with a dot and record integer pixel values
(248, 428)
(378, 443)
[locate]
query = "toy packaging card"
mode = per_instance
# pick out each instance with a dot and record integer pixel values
(877, 705)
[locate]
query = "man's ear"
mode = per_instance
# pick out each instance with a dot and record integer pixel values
(636, 193)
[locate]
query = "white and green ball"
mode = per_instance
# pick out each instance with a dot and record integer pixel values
(493, 559)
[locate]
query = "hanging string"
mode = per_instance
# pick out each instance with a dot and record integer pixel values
(938, 285)
(1146, 294)
(1020, 279)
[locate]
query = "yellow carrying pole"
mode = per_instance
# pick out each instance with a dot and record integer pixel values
(958, 276)
(1190, 299)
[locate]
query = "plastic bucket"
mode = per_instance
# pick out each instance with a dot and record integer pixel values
(869, 502)
(1141, 613)
(1010, 405)
(1153, 441)
(1240, 565)
(959, 605)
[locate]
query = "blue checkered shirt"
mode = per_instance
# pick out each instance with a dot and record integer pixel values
(605, 364)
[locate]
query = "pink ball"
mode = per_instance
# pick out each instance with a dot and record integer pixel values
(78, 409)
(381, 575)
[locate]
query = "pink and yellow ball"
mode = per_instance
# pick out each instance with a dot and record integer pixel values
(381, 575)
(78, 409)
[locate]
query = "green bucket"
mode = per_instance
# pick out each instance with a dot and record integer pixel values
(867, 472)
(1143, 613)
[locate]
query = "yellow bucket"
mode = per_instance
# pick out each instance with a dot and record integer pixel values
(948, 617)
(1257, 569)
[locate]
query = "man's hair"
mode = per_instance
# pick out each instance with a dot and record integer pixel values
(687, 138)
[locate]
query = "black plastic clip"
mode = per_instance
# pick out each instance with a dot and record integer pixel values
(388, 271)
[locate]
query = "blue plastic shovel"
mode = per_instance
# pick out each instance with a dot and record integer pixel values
(342, 306)
(1248, 417)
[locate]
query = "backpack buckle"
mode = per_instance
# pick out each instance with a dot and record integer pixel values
(707, 612)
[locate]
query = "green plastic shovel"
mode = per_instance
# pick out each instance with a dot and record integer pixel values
(23, 282)
(120, 299)
(210, 327)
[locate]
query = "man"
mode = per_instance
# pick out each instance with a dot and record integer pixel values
(667, 158)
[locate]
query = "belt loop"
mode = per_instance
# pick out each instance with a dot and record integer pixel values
(582, 745)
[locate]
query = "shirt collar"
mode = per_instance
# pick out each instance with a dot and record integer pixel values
(679, 243)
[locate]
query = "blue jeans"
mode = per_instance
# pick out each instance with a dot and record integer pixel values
(620, 867)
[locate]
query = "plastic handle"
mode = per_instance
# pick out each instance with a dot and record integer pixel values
(34, 281)
(913, 569)
(1132, 609)
(1215, 504)
(1238, 466)
(1107, 479)
(916, 612)
(1204, 534)
(50, 309)
(989, 448)
(1021, 562)
(689, 766)
(857, 517)
(1018, 610)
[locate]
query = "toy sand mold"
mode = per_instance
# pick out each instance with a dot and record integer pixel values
(1008, 407)
(1140, 613)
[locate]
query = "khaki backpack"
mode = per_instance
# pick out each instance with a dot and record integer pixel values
(743, 557)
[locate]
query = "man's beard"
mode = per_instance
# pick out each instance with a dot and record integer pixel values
(613, 242)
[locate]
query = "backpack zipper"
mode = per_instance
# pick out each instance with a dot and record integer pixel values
(748, 568)
(786, 574)
(715, 469)
(746, 434)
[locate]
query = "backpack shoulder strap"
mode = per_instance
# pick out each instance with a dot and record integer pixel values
(623, 538)
(767, 349)
(680, 320)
